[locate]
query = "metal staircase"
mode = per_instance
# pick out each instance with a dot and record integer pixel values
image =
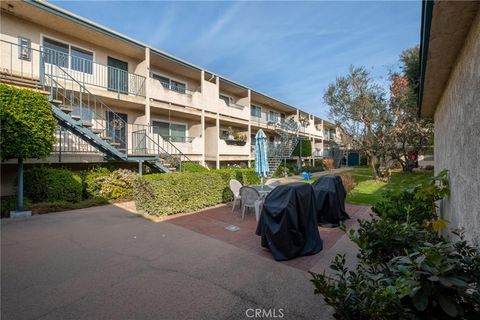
(86, 116)
(276, 153)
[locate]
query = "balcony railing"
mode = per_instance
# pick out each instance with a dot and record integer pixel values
(178, 139)
(31, 63)
(97, 74)
(67, 142)
(176, 88)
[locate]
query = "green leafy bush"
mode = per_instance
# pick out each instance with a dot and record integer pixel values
(193, 167)
(305, 145)
(10, 204)
(312, 168)
(118, 185)
(55, 206)
(27, 124)
(406, 270)
(417, 204)
(249, 177)
(441, 280)
(360, 294)
(167, 194)
(281, 171)
(381, 240)
(91, 183)
(50, 184)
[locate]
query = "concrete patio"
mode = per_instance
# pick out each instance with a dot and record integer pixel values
(107, 263)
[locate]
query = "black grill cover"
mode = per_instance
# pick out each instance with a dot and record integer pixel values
(330, 201)
(288, 224)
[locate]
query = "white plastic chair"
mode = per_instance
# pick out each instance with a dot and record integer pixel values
(235, 186)
(251, 199)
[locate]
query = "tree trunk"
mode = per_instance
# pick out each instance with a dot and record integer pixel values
(20, 185)
(374, 169)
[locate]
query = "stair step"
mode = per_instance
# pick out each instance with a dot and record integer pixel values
(115, 144)
(107, 138)
(87, 124)
(56, 102)
(97, 131)
(23, 84)
(66, 109)
(124, 150)
(75, 117)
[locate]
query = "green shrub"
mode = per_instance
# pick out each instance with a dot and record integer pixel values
(281, 171)
(10, 204)
(55, 206)
(27, 124)
(167, 194)
(306, 147)
(381, 240)
(118, 185)
(91, 183)
(405, 270)
(50, 184)
(193, 167)
(414, 204)
(249, 177)
(312, 169)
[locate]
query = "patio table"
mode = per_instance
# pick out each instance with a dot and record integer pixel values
(263, 190)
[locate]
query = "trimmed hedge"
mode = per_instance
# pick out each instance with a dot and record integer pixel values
(193, 167)
(50, 184)
(167, 194)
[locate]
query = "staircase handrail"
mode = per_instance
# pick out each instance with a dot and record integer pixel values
(149, 127)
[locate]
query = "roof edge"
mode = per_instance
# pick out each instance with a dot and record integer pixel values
(427, 11)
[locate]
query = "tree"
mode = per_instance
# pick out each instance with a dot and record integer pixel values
(359, 105)
(411, 134)
(27, 126)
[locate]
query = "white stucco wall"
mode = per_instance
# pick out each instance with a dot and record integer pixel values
(457, 138)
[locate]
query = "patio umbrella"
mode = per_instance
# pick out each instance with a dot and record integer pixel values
(261, 158)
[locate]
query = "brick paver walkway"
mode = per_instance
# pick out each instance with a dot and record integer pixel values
(212, 223)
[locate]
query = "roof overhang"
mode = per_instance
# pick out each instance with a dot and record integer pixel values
(445, 26)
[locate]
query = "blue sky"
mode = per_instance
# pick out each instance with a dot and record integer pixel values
(288, 50)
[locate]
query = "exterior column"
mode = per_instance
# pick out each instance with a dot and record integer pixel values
(147, 87)
(217, 165)
(249, 137)
(202, 121)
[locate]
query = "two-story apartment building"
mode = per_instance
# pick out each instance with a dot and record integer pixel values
(117, 98)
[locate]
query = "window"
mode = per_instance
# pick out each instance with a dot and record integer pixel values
(173, 131)
(273, 116)
(65, 55)
(161, 128)
(225, 98)
(282, 117)
(256, 111)
(178, 86)
(24, 49)
(56, 52)
(81, 60)
(271, 139)
(252, 140)
(170, 84)
(163, 80)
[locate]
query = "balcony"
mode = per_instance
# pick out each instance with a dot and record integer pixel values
(31, 63)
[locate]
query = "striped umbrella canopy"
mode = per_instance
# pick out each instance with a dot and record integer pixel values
(261, 157)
